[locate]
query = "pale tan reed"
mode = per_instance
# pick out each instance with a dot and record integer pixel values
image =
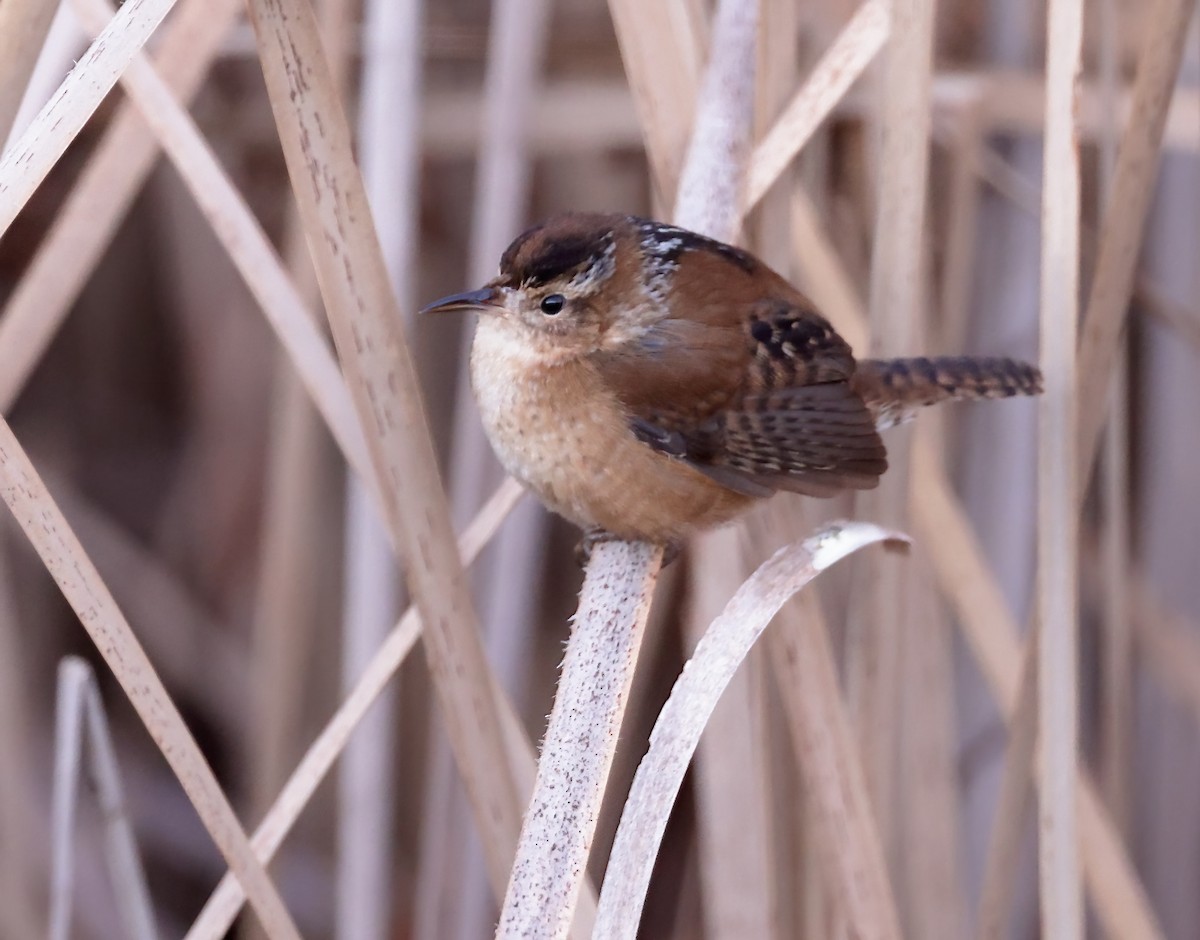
(966, 581)
(737, 862)
(664, 49)
(878, 618)
(87, 221)
(23, 28)
(65, 559)
(1124, 221)
(683, 717)
(366, 326)
(25, 164)
(1012, 808)
(1058, 521)
(842, 64)
(1116, 651)
(223, 905)
(250, 250)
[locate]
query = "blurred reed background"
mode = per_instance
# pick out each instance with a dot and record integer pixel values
(155, 401)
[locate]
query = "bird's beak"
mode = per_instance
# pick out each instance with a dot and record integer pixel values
(468, 300)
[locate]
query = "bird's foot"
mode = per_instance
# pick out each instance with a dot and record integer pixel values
(595, 535)
(591, 538)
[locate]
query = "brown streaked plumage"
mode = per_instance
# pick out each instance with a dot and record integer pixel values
(647, 382)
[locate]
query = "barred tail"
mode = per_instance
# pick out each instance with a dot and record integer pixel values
(894, 389)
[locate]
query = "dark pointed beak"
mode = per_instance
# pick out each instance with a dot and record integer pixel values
(468, 300)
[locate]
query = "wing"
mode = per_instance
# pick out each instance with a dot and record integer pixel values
(758, 399)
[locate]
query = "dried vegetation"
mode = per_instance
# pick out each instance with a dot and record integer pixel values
(224, 441)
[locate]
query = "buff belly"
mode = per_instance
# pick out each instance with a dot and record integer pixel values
(561, 433)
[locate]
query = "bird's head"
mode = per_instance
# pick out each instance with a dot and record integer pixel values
(564, 286)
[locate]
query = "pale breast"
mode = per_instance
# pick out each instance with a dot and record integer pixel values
(558, 430)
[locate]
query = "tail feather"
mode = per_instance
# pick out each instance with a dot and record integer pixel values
(894, 389)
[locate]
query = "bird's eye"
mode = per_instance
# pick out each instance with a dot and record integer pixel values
(553, 303)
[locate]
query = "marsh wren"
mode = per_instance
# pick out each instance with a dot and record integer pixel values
(647, 382)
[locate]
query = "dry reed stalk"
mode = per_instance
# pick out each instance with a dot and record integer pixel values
(929, 819)
(967, 582)
(878, 617)
(1121, 233)
(895, 300)
(65, 42)
(283, 620)
(24, 25)
(841, 65)
(26, 162)
(366, 788)
(249, 248)
(367, 330)
(796, 882)
(252, 253)
(223, 906)
(1116, 653)
(683, 717)
(1116, 645)
(286, 597)
(768, 230)
(737, 866)
(1058, 519)
(663, 46)
(229, 203)
(992, 634)
(960, 245)
(87, 221)
(580, 740)
(560, 825)
(711, 181)
(516, 48)
(1000, 174)
(846, 847)
(76, 577)
(1166, 527)
(513, 591)
(80, 718)
(829, 761)
(645, 696)
(1012, 807)
(507, 578)
(148, 591)
(389, 142)
(816, 919)
(570, 116)
(1013, 102)
(1007, 181)
(389, 119)
(737, 856)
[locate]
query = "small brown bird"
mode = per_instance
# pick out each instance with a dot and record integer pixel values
(647, 382)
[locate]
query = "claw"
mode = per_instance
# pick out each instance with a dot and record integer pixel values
(594, 536)
(591, 538)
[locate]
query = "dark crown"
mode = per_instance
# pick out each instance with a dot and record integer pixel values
(557, 246)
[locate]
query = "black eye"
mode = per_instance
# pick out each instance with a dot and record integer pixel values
(553, 303)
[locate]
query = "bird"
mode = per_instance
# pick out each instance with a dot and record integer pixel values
(647, 382)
